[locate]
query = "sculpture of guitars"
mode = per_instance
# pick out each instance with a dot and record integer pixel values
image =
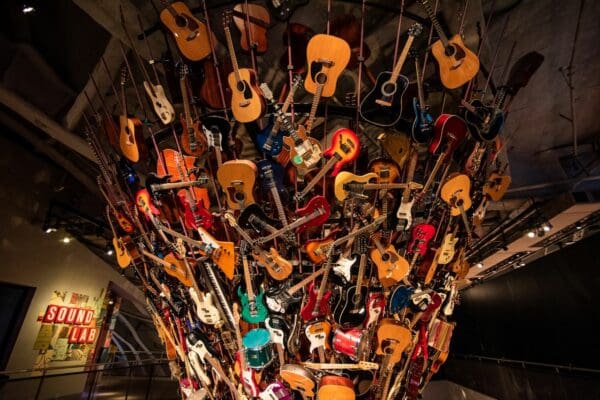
(270, 139)
(191, 35)
(457, 64)
(247, 103)
(253, 307)
(391, 266)
(280, 298)
(237, 177)
(192, 139)
(422, 127)
(345, 147)
(383, 104)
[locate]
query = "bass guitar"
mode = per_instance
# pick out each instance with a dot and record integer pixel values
(317, 334)
(247, 103)
(457, 64)
(422, 127)
(404, 213)
(383, 104)
(253, 307)
(191, 35)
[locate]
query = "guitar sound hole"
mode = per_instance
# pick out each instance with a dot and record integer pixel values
(180, 21)
(385, 257)
(321, 78)
(241, 87)
(388, 88)
(239, 196)
(450, 50)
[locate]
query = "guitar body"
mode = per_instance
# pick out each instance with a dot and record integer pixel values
(422, 127)
(396, 145)
(205, 307)
(393, 338)
(279, 300)
(278, 267)
(455, 191)
(299, 161)
(253, 312)
(415, 374)
(388, 110)
(247, 104)
(299, 378)
(404, 213)
(345, 180)
(275, 391)
(237, 178)
(314, 308)
(271, 172)
(450, 130)
(131, 138)
(387, 170)
(269, 142)
(447, 249)
(496, 186)
(486, 123)
(391, 266)
(283, 9)
(253, 217)
(161, 105)
(189, 33)
(177, 270)
(192, 139)
(320, 49)
(123, 256)
(317, 334)
(345, 145)
(317, 202)
(253, 30)
(400, 298)
(209, 89)
(336, 387)
(224, 257)
(457, 64)
(316, 249)
(343, 268)
(350, 310)
(421, 235)
(194, 216)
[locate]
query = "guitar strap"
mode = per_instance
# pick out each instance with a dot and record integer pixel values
(421, 346)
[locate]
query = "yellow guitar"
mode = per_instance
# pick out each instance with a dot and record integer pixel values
(237, 178)
(327, 56)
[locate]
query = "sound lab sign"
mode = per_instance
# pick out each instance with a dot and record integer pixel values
(80, 318)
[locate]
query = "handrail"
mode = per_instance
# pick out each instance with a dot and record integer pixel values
(556, 367)
(144, 362)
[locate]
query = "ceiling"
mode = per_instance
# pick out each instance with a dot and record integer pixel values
(552, 138)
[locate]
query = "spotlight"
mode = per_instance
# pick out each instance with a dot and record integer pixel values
(522, 264)
(27, 9)
(531, 234)
(110, 251)
(50, 230)
(578, 227)
(111, 301)
(546, 226)
(66, 240)
(479, 265)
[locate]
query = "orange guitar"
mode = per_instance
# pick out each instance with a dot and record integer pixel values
(392, 340)
(131, 139)
(327, 56)
(191, 35)
(455, 192)
(391, 266)
(247, 102)
(255, 33)
(336, 387)
(237, 179)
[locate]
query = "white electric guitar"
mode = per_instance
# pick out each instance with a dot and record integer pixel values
(205, 307)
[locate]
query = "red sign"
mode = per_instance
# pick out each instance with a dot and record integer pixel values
(68, 315)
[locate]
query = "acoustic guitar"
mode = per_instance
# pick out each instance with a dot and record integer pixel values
(300, 379)
(335, 387)
(283, 9)
(247, 103)
(237, 178)
(327, 56)
(456, 193)
(210, 92)
(131, 139)
(253, 35)
(383, 104)
(457, 64)
(191, 35)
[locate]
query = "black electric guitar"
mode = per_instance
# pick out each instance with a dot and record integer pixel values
(422, 128)
(383, 104)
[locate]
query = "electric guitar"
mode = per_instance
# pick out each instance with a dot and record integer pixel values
(383, 104)
(448, 247)
(271, 177)
(317, 334)
(485, 122)
(283, 9)
(457, 64)
(191, 35)
(131, 139)
(253, 307)
(420, 237)
(237, 178)
(275, 391)
(404, 213)
(422, 127)
(247, 103)
(205, 307)
(350, 311)
(345, 147)
(347, 184)
(316, 249)
(279, 330)
(192, 139)
(280, 298)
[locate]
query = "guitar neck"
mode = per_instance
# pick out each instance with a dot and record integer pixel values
(361, 270)
(465, 220)
(435, 22)
(419, 83)
(123, 99)
(402, 58)
(330, 163)
(186, 103)
(231, 49)
(412, 166)
(436, 167)
(325, 278)
(248, 279)
(299, 222)
(278, 204)
(305, 281)
(313, 108)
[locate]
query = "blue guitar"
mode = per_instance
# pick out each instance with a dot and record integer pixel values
(422, 127)
(269, 141)
(253, 306)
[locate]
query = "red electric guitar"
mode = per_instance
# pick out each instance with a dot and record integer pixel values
(419, 242)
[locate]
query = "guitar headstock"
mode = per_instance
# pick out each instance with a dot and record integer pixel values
(267, 93)
(415, 30)
(123, 75)
(227, 15)
(183, 70)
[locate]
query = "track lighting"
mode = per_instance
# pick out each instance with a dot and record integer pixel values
(50, 230)
(531, 234)
(479, 265)
(546, 226)
(66, 240)
(27, 9)
(110, 251)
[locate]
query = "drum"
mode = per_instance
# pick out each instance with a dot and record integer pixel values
(257, 348)
(350, 342)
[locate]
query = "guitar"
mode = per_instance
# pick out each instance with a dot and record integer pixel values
(131, 139)
(383, 104)
(350, 311)
(404, 213)
(327, 56)
(172, 266)
(205, 307)
(400, 298)
(280, 298)
(345, 148)
(247, 103)
(253, 307)
(455, 192)
(447, 248)
(457, 64)
(335, 387)
(422, 127)
(450, 130)
(493, 189)
(485, 122)
(396, 145)
(214, 129)
(361, 365)
(300, 379)
(237, 177)
(316, 249)
(275, 391)
(278, 267)
(192, 139)
(191, 35)
(391, 266)
(317, 334)
(194, 214)
(392, 340)
(419, 242)
(343, 268)
(254, 34)
(283, 9)
(210, 93)
(347, 184)
(279, 330)
(271, 177)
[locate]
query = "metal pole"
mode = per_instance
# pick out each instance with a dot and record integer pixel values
(39, 389)
(149, 381)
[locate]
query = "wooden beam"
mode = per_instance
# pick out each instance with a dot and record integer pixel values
(45, 123)
(43, 147)
(113, 58)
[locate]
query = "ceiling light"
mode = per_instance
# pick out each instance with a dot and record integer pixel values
(479, 265)
(27, 9)
(547, 226)
(110, 251)
(50, 230)
(66, 240)
(531, 234)
(578, 227)
(522, 264)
